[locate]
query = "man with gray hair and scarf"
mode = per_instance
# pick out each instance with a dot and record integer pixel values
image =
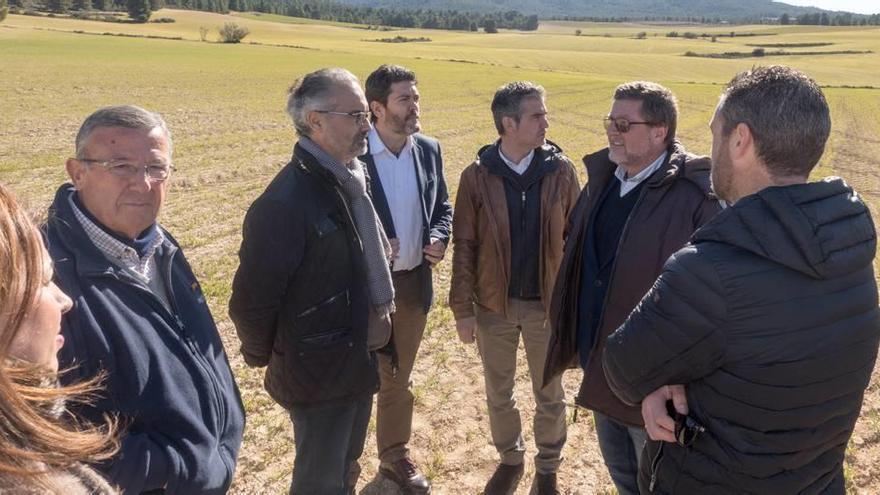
(313, 295)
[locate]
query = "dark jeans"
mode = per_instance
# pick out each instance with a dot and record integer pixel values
(621, 448)
(329, 441)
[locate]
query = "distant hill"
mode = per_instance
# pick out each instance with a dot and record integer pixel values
(636, 9)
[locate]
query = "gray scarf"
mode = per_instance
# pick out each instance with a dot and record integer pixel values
(377, 249)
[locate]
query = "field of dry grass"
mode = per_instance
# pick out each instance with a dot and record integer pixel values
(225, 106)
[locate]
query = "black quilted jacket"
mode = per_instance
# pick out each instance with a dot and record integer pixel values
(770, 318)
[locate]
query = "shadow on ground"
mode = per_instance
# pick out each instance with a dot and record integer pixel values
(380, 485)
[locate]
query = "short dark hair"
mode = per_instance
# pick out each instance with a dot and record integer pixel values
(659, 106)
(786, 113)
(508, 98)
(378, 84)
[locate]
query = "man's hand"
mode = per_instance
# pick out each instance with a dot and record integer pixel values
(434, 252)
(395, 248)
(658, 423)
(466, 328)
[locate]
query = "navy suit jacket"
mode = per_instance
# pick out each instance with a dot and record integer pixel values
(435, 205)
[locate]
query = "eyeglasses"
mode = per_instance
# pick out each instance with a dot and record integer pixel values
(155, 172)
(621, 124)
(360, 117)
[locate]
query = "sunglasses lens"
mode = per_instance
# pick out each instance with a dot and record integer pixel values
(622, 125)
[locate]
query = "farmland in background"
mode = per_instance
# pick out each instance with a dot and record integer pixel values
(225, 106)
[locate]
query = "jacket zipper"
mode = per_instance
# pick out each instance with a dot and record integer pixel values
(357, 234)
(325, 302)
(522, 242)
(655, 465)
(200, 358)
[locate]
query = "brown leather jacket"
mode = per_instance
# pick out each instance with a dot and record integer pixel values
(481, 234)
(675, 201)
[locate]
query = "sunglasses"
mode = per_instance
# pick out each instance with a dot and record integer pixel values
(686, 428)
(621, 124)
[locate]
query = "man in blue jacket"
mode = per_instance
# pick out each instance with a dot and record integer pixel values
(140, 316)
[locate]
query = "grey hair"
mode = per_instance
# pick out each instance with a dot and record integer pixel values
(508, 98)
(659, 106)
(786, 113)
(127, 116)
(311, 92)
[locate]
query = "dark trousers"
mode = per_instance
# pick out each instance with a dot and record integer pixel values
(329, 441)
(621, 448)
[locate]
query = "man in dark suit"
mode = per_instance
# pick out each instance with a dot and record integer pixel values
(409, 193)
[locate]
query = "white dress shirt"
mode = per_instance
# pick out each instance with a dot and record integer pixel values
(397, 174)
(521, 167)
(627, 184)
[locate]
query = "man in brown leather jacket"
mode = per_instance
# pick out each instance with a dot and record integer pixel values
(510, 215)
(644, 198)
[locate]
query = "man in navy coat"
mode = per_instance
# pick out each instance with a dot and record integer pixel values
(140, 316)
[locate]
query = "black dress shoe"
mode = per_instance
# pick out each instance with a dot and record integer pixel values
(545, 484)
(407, 476)
(504, 480)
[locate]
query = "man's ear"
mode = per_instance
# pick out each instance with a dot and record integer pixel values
(741, 142)
(509, 124)
(659, 133)
(75, 170)
(377, 109)
(314, 119)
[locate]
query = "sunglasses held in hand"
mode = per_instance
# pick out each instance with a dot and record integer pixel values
(686, 428)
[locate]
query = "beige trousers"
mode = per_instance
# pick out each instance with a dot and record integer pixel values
(498, 339)
(394, 406)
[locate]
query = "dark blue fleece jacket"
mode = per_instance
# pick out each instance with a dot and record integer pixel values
(168, 377)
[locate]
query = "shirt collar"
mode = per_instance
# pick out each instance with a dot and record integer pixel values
(620, 172)
(115, 249)
(377, 146)
(522, 163)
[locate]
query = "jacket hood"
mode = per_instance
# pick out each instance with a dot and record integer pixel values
(821, 229)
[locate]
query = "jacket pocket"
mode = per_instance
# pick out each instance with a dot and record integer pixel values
(333, 312)
(321, 362)
(338, 298)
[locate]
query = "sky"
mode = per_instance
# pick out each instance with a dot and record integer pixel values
(857, 6)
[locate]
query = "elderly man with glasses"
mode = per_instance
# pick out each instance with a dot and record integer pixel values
(140, 317)
(644, 198)
(313, 296)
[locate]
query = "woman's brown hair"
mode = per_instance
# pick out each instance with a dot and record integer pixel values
(34, 440)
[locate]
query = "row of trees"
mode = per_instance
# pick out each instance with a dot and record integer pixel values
(405, 18)
(817, 19)
(140, 11)
(823, 19)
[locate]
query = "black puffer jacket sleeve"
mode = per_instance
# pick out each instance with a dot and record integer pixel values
(674, 335)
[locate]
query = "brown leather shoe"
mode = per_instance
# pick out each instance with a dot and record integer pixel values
(406, 474)
(545, 484)
(505, 480)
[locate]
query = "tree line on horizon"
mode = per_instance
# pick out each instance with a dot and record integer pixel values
(812, 19)
(140, 11)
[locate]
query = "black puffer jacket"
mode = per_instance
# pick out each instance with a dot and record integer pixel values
(770, 318)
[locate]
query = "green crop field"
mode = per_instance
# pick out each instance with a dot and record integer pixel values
(225, 106)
